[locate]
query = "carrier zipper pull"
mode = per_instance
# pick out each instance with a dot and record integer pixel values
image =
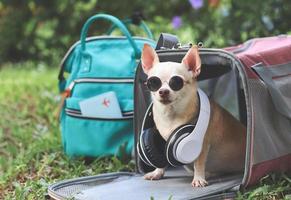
(200, 45)
(64, 95)
(185, 46)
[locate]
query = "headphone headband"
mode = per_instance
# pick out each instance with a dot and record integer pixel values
(190, 147)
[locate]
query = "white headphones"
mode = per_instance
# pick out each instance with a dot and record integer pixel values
(184, 144)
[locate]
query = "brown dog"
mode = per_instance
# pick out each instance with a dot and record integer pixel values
(224, 142)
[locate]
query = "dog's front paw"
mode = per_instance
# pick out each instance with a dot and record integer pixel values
(154, 175)
(199, 182)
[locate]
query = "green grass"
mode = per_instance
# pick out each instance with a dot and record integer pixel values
(31, 155)
(271, 187)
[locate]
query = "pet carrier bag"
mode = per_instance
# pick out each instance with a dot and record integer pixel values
(96, 66)
(252, 81)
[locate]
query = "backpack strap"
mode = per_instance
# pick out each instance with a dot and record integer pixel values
(167, 41)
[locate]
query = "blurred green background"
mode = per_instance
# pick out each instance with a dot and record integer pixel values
(43, 30)
(36, 34)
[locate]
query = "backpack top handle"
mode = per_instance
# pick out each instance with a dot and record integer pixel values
(116, 22)
(128, 22)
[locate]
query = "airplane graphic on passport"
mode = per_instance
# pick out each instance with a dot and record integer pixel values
(105, 105)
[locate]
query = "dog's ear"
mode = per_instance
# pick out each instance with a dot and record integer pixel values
(192, 61)
(148, 58)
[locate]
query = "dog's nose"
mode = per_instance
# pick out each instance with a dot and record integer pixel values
(164, 93)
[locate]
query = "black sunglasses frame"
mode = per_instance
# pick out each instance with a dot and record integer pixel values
(176, 83)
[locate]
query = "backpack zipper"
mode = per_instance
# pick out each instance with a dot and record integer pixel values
(99, 80)
(68, 90)
(89, 39)
(76, 111)
(78, 114)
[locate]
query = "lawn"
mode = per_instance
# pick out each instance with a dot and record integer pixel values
(31, 155)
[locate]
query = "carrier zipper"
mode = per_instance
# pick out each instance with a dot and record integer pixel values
(78, 114)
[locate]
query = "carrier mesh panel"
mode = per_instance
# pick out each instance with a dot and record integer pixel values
(121, 186)
(223, 90)
(271, 130)
(71, 188)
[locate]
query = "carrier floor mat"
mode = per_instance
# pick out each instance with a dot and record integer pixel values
(130, 186)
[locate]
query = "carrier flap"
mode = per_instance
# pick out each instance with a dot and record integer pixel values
(278, 80)
(175, 185)
(268, 50)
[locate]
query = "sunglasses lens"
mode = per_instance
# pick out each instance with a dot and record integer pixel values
(176, 83)
(154, 83)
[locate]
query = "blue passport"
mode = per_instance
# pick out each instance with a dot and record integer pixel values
(105, 105)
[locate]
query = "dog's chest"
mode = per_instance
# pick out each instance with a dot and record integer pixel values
(166, 124)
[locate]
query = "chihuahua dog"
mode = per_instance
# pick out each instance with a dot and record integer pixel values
(173, 88)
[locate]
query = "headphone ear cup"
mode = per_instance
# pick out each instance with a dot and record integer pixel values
(176, 136)
(141, 155)
(153, 148)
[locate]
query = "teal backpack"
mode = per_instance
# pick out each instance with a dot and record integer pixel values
(97, 65)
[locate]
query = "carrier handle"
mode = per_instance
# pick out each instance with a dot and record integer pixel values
(167, 41)
(127, 22)
(116, 22)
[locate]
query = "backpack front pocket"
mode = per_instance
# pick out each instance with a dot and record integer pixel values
(94, 137)
(97, 136)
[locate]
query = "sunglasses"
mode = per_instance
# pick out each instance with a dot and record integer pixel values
(154, 83)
